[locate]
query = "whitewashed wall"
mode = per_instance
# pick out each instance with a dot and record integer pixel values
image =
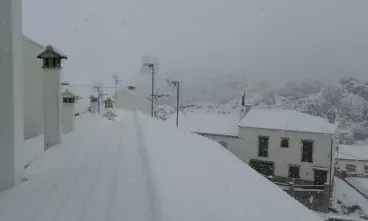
(284, 157)
(129, 101)
(68, 120)
(33, 89)
(359, 165)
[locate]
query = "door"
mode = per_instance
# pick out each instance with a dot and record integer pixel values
(320, 177)
(263, 167)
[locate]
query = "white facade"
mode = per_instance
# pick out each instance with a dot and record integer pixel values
(68, 111)
(353, 159)
(128, 100)
(11, 85)
(354, 167)
(283, 157)
(33, 89)
(68, 117)
(52, 106)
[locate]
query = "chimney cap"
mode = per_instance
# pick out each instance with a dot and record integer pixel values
(50, 52)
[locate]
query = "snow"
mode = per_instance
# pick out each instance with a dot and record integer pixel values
(209, 123)
(363, 181)
(353, 152)
(349, 196)
(290, 120)
(137, 168)
(30, 150)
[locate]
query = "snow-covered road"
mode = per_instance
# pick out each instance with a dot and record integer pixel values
(111, 180)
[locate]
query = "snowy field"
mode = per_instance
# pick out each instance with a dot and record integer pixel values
(137, 168)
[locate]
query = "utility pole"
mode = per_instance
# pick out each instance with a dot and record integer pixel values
(152, 67)
(177, 85)
(99, 98)
(151, 62)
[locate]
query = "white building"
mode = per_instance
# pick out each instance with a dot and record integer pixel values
(353, 159)
(285, 144)
(288, 145)
(127, 99)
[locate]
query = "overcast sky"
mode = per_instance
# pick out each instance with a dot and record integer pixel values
(272, 40)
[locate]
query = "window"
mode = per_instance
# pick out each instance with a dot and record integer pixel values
(223, 143)
(294, 172)
(350, 168)
(263, 167)
(284, 142)
(307, 151)
(365, 168)
(263, 146)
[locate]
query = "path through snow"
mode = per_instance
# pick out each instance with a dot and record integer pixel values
(111, 180)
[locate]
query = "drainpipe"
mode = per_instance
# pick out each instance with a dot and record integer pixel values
(331, 175)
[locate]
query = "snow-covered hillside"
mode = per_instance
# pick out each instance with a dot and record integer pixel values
(138, 168)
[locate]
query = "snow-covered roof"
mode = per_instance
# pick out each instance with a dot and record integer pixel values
(110, 99)
(291, 120)
(208, 123)
(353, 152)
(68, 93)
(138, 168)
(94, 95)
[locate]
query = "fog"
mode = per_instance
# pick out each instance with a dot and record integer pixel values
(255, 39)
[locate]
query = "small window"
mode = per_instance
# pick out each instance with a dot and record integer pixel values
(284, 142)
(307, 151)
(365, 168)
(223, 143)
(294, 172)
(350, 168)
(263, 146)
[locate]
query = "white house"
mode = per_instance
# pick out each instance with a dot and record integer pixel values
(127, 99)
(285, 144)
(288, 145)
(353, 159)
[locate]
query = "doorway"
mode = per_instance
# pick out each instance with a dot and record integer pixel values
(320, 177)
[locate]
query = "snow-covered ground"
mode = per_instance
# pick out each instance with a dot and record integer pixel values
(32, 148)
(137, 168)
(344, 195)
(363, 181)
